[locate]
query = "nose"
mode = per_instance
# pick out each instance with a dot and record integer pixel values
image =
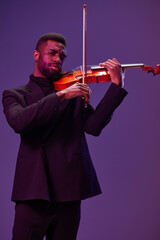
(57, 58)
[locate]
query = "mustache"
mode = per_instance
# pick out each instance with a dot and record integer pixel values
(54, 64)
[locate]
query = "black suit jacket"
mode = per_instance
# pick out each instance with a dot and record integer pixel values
(53, 161)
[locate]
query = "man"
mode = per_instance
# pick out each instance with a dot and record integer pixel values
(54, 171)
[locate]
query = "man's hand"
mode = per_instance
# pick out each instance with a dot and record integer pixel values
(115, 71)
(76, 90)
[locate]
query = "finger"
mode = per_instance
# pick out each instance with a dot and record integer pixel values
(83, 89)
(86, 92)
(114, 63)
(115, 60)
(108, 65)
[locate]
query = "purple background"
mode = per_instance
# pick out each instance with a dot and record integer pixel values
(127, 154)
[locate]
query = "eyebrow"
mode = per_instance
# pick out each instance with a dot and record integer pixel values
(63, 51)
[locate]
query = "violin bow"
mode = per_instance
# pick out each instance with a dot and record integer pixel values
(84, 65)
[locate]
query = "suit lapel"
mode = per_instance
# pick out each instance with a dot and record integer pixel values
(35, 92)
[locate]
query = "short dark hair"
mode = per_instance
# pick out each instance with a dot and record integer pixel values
(51, 36)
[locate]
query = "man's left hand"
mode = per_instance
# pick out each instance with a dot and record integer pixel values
(115, 71)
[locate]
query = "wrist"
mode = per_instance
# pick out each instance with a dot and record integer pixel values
(119, 83)
(61, 95)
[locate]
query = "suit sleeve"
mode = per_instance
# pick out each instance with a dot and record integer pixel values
(25, 118)
(98, 118)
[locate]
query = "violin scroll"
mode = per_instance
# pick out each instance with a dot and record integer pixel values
(157, 69)
(149, 69)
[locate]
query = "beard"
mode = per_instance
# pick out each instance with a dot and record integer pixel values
(50, 70)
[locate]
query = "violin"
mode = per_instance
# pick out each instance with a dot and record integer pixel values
(93, 74)
(96, 74)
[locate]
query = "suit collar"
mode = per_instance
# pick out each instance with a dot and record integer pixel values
(34, 90)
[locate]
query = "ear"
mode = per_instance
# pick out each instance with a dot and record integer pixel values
(36, 55)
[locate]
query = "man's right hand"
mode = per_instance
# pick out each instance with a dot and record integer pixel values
(76, 90)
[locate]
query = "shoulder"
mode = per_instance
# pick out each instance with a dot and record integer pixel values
(21, 90)
(14, 95)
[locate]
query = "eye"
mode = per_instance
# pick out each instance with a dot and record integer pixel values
(62, 56)
(53, 53)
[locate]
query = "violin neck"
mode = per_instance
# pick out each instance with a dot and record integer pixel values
(124, 66)
(132, 65)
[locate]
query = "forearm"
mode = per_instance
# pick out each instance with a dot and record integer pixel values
(104, 111)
